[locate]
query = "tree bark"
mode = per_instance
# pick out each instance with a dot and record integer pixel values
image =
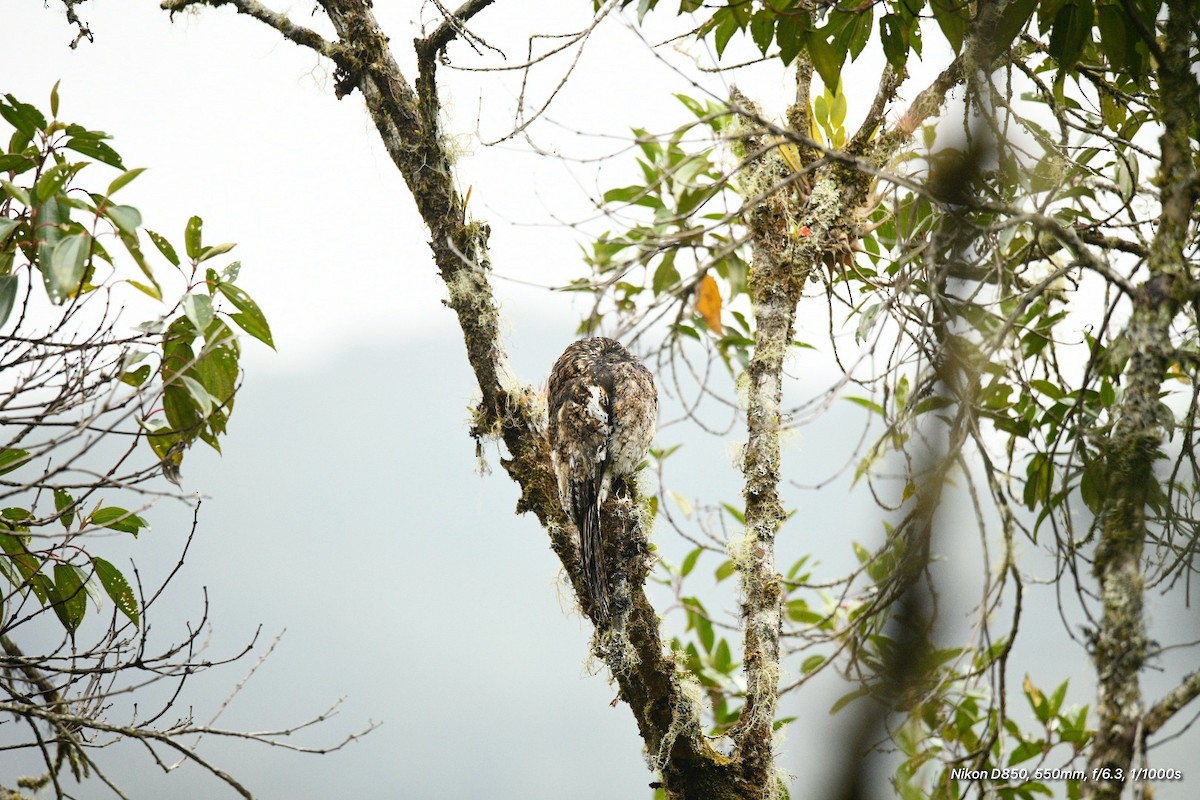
(1121, 642)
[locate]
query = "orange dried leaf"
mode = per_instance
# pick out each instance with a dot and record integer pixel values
(708, 303)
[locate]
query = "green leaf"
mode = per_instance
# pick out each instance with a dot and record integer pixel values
(215, 250)
(689, 562)
(11, 458)
(90, 145)
(118, 519)
(68, 595)
(847, 699)
(198, 308)
(203, 400)
(123, 180)
(790, 36)
(762, 29)
(16, 192)
(837, 110)
(726, 28)
(698, 620)
(1012, 22)
(811, 663)
(16, 514)
(1071, 33)
(54, 99)
(67, 260)
(117, 587)
(798, 611)
(952, 17)
(22, 116)
(8, 296)
(665, 275)
(191, 237)
(136, 377)
(163, 246)
(893, 34)
(869, 405)
(726, 569)
(723, 659)
(54, 179)
(253, 323)
(126, 218)
(7, 226)
(63, 503)
(15, 163)
(825, 59)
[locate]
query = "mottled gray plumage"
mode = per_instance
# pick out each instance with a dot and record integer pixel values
(603, 405)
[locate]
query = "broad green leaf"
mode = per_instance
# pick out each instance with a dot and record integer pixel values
(163, 246)
(689, 562)
(953, 18)
(191, 237)
(869, 405)
(722, 658)
(1012, 22)
(67, 260)
(16, 514)
(69, 596)
(90, 145)
(847, 699)
(825, 59)
(16, 192)
(762, 29)
(136, 377)
(123, 180)
(203, 400)
(62, 504)
(198, 308)
(54, 179)
(665, 275)
(134, 247)
(7, 226)
(118, 519)
(118, 588)
(11, 458)
(8, 296)
(126, 218)
(837, 110)
(1071, 33)
(790, 37)
(215, 250)
(251, 320)
(22, 116)
(15, 163)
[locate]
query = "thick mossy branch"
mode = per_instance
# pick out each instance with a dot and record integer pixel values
(406, 117)
(1121, 643)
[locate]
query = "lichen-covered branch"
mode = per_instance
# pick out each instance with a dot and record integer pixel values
(1162, 711)
(302, 36)
(1121, 643)
(664, 701)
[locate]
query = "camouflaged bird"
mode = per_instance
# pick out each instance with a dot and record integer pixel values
(602, 405)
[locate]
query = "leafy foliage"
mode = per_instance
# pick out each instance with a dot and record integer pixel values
(174, 379)
(987, 275)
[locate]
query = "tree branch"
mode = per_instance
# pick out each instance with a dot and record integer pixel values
(454, 25)
(1162, 711)
(1121, 643)
(302, 36)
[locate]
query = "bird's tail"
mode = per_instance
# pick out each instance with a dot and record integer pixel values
(591, 552)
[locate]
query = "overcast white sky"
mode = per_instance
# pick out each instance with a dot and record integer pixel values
(345, 508)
